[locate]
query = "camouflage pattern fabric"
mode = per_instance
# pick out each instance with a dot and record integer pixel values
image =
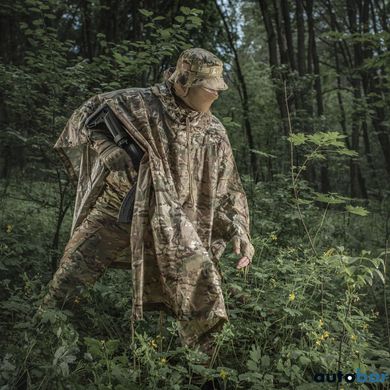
(97, 242)
(94, 245)
(189, 202)
(197, 66)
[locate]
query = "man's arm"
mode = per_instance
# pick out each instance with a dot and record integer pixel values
(113, 157)
(231, 217)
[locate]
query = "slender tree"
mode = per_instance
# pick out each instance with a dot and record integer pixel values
(243, 92)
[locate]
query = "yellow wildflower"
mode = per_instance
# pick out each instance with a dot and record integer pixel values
(321, 322)
(163, 361)
(153, 343)
(325, 334)
(223, 374)
(353, 337)
(329, 252)
(318, 342)
(291, 297)
(8, 228)
(274, 237)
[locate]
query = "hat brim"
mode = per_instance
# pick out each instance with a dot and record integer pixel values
(217, 83)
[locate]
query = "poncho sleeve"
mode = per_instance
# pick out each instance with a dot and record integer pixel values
(231, 215)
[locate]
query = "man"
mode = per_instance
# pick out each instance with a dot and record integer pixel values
(189, 199)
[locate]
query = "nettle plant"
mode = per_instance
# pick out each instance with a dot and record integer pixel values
(302, 308)
(339, 327)
(316, 147)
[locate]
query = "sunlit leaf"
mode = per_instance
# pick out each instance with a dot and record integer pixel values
(297, 139)
(145, 12)
(328, 198)
(179, 19)
(264, 154)
(185, 10)
(358, 210)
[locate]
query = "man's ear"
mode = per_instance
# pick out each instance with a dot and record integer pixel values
(180, 90)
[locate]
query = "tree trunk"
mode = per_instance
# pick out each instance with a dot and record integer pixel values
(86, 25)
(325, 185)
(358, 188)
(274, 62)
(255, 167)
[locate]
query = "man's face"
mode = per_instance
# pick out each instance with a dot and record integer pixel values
(200, 98)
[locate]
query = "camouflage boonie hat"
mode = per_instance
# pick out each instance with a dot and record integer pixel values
(198, 66)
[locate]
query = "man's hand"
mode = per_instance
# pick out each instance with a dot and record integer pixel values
(244, 247)
(114, 157)
(243, 262)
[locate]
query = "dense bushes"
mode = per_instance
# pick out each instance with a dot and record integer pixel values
(314, 299)
(292, 315)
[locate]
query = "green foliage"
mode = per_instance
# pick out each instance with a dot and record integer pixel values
(41, 93)
(329, 141)
(289, 315)
(161, 43)
(317, 290)
(357, 210)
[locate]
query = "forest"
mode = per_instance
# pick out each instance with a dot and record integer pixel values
(307, 113)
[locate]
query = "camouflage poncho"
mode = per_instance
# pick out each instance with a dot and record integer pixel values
(189, 201)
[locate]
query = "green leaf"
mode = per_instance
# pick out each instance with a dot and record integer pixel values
(17, 135)
(165, 33)
(195, 20)
(297, 139)
(37, 22)
(385, 253)
(252, 365)
(303, 201)
(180, 19)
(315, 156)
(59, 352)
(264, 154)
(185, 10)
(255, 354)
(64, 368)
(145, 12)
(111, 346)
(292, 312)
(32, 41)
(304, 360)
(357, 210)
(328, 198)
(94, 346)
(228, 122)
(330, 138)
(265, 361)
(347, 152)
(380, 275)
